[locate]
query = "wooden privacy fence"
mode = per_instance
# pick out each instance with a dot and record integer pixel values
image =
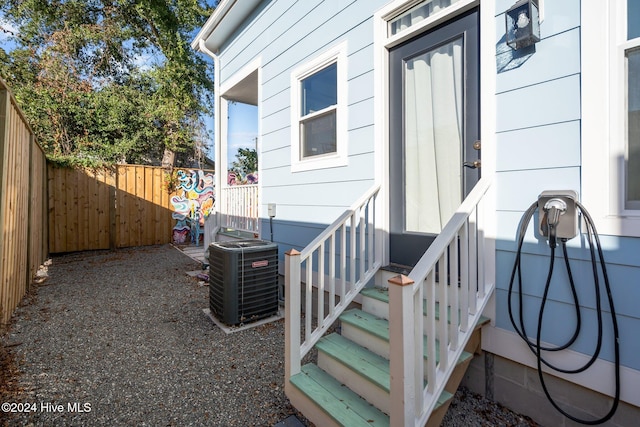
(120, 207)
(23, 232)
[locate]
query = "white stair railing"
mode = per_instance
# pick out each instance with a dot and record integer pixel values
(335, 267)
(211, 227)
(451, 273)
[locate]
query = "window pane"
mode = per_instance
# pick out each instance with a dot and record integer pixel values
(418, 13)
(633, 19)
(318, 135)
(633, 126)
(320, 90)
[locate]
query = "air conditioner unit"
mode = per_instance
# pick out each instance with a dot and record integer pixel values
(243, 280)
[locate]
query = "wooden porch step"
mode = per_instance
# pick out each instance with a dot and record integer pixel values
(378, 328)
(382, 295)
(370, 366)
(342, 405)
(338, 402)
(361, 370)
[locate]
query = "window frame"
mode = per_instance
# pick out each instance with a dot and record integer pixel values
(336, 55)
(604, 118)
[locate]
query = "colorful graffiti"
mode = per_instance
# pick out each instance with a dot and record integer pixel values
(193, 202)
(236, 178)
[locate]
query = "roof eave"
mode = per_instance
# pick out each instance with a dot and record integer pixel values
(225, 19)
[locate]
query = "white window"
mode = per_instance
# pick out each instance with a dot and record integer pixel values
(633, 129)
(318, 112)
(417, 13)
(611, 115)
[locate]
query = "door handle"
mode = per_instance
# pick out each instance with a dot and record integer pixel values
(472, 165)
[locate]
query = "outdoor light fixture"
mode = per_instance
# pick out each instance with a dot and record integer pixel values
(522, 23)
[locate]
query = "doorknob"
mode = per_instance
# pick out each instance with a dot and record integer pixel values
(472, 165)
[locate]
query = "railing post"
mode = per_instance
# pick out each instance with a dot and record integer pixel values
(402, 352)
(292, 314)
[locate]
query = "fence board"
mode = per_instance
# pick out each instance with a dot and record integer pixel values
(123, 207)
(22, 205)
(48, 209)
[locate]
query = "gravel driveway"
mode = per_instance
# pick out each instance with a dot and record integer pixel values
(120, 338)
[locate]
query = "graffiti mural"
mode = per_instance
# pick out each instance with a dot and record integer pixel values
(237, 178)
(193, 202)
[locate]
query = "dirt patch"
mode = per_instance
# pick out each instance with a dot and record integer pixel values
(10, 389)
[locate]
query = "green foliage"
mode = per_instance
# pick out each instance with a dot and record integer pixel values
(79, 75)
(246, 162)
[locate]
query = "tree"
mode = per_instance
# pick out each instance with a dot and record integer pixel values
(246, 162)
(79, 74)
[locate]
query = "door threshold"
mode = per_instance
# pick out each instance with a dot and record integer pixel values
(397, 268)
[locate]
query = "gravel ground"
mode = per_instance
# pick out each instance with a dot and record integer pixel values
(120, 338)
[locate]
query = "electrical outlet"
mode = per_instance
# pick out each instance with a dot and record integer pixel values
(564, 203)
(271, 209)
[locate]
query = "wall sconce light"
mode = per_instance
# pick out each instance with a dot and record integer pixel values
(522, 23)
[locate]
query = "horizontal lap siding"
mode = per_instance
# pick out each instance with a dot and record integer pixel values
(539, 148)
(286, 35)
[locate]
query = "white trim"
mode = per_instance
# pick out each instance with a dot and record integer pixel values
(599, 377)
(222, 123)
(381, 129)
(337, 55)
(382, 44)
(240, 75)
(604, 119)
(224, 20)
(396, 7)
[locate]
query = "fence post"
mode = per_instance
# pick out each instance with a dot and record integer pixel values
(402, 351)
(292, 314)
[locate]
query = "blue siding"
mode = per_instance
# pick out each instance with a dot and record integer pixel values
(285, 35)
(521, 149)
(553, 101)
(539, 148)
(538, 144)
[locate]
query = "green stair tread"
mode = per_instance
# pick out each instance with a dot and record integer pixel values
(367, 364)
(343, 405)
(445, 396)
(380, 328)
(376, 326)
(382, 294)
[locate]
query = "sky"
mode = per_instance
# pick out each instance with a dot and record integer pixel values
(242, 128)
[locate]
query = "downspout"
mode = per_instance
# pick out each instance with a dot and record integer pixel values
(216, 131)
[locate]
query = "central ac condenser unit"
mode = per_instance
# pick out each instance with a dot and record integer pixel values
(243, 280)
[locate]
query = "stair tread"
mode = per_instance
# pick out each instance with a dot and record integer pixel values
(380, 328)
(343, 405)
(366, 363)
(382, 294)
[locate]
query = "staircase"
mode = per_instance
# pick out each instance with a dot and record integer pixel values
(404, 342)
(350, 384)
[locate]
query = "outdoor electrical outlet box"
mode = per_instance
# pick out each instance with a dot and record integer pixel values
(565, 202)
(271, 208)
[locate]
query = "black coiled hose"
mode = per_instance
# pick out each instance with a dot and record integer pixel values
(535, 346)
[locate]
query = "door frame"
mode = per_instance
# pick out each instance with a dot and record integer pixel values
(382, 45)
(406, 247)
